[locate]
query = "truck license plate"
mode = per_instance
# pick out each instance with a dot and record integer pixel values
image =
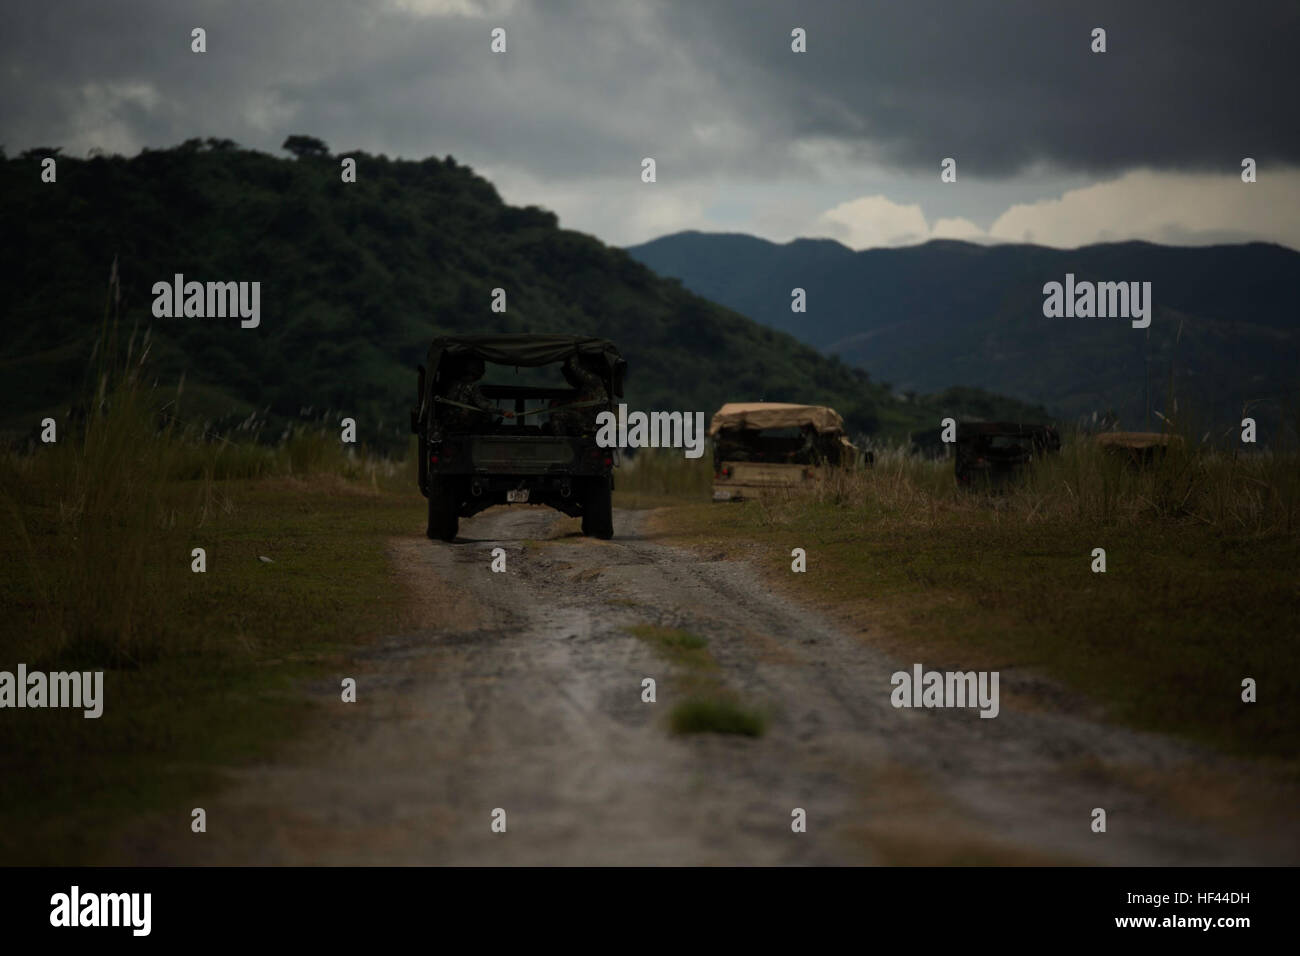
(519, 495)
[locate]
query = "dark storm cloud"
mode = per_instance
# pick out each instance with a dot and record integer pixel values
(1007, 83)
(708, 88)
(583, 90)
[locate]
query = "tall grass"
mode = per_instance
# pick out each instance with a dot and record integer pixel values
(92, 519)
(301, 453)
(666, 472)
(103, 521)
(1230, 490)
(1254, 494)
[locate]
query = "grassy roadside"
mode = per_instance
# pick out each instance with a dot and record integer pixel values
(201, 670)
(227, 688)
(658, 478)
(1200, 590)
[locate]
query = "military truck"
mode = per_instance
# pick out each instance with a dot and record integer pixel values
(1138, 449)
(488, 443)
(991, 453)
(759, 446)
(928, 443)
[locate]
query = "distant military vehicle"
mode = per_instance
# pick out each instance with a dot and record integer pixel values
(990, 453)
(1138, 448)
(928, 443)
(759, 446)
(484, 444)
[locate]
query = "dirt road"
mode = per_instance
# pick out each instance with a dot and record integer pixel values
(522, 691)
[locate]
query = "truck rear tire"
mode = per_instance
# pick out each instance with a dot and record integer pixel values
(598, 510)
(443, 521)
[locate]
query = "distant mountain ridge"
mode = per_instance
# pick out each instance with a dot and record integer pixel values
(1225, 325)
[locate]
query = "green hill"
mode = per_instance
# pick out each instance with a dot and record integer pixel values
(355, 280)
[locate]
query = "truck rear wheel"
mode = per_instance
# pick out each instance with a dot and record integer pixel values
(598, 510)
(443, 521)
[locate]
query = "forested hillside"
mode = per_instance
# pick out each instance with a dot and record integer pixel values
(355, 280)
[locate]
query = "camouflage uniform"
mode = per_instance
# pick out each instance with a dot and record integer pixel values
(591, 388)
(464, 390)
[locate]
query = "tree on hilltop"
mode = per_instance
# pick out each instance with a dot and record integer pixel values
(302, 146)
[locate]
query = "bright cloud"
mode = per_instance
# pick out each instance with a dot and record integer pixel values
(875, 221)
(1177, 208)
(1163, 207)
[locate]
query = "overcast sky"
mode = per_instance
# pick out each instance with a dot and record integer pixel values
(1054, 143)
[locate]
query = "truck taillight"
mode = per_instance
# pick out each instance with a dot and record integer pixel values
(433, 459)
(608, 462)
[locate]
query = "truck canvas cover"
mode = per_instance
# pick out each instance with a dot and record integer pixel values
(761, 415)
(1138, 441)
(527, 350)
(524, 349)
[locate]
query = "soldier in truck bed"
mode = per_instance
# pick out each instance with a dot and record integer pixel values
(807, 453)
(590, 388)
(463, 389)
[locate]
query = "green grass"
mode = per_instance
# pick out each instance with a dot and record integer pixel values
(1200, 589)
(707, 706)
(715, 714)
(680, 647)
(225, 686)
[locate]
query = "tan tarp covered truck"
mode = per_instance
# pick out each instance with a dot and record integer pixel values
(760, 446)
(1138, 448)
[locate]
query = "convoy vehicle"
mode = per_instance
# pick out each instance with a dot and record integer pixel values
(514, 443)
(759, 446)
(991, 453)
(1138, 449)
(929, 443)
